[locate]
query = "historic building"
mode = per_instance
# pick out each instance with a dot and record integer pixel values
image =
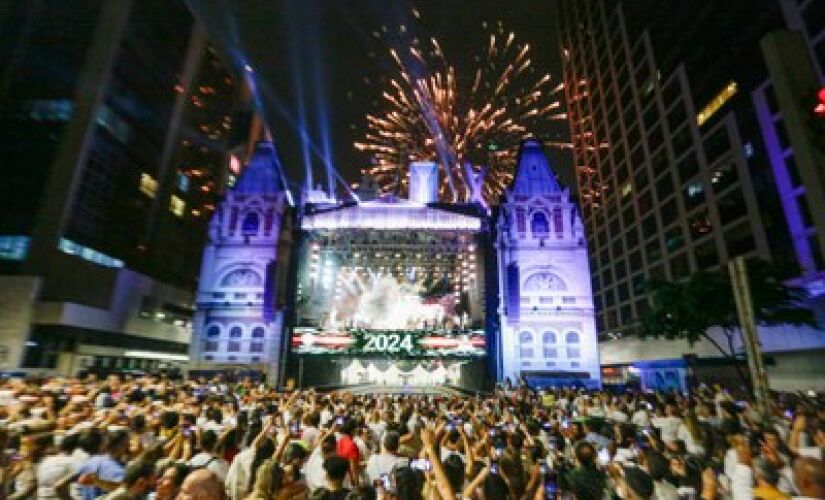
(548, 331)
(394, 291)
(237, 323)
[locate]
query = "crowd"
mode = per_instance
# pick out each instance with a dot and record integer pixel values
(150, 437)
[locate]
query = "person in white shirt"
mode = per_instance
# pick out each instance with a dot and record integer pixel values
(668, 424)
(208, 458)
(741, 479)
(310, 432)
(377, 425)
(617, 414)
(55, 468)
(239, 476)
(640, 417)
(657, 466)
(384, 462)
(690, 432)
(314, 471)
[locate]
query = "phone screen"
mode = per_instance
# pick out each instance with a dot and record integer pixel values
(421, 464)
(551, 483)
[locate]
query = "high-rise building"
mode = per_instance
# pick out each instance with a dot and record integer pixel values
(785, 105)
(672, 171)
(548, 331)
(116, 120)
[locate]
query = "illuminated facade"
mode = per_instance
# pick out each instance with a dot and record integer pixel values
(548, 330)
(670, 164)
(395, 291)
(237, 322)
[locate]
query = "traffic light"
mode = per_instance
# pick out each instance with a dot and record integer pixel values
(819, 107)
(817, 118)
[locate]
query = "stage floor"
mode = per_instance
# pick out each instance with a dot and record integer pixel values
(402, 389)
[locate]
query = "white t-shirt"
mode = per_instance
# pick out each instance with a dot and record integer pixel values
(378, 429)
(618, 416)
(668, 426)
(640, 418)
(383, 463)
(237, 477)
(693, 447)
(741, 486)
(50, 471)
(217, 465)
(663, 490)
(315, 474)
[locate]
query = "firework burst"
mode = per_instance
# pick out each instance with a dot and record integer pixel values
(431, 112)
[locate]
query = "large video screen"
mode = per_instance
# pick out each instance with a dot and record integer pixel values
(391, 293)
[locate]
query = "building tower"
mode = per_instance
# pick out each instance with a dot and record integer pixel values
(236, 322)
(548, 329)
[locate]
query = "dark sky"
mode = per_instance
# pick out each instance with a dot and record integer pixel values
(326, 48)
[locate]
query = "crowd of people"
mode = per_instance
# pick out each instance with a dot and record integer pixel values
(151, 437)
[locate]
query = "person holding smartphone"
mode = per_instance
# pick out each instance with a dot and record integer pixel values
(385, 461)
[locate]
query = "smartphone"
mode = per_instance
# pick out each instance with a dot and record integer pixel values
(498, 452)
(494, 467)
(565, 424)
(186, 431)
(340, 421)
(421, 464)
(386, 482)
(492, 432)
(551, 482)
(789, 414)
(547, 426)
(295, 427)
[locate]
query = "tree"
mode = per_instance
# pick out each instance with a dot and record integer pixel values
(688, 309)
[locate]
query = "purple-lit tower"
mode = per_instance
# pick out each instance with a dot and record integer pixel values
(548, 330)
(236, 323)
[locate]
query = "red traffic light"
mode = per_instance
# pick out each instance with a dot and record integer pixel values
(819, 108)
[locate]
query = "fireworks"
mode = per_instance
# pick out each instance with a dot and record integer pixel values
(431, 112)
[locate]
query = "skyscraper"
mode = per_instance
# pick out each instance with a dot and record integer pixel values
(784, 103)
(115, 119)
(672, 172)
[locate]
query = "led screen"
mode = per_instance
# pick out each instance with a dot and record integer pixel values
(393, 293)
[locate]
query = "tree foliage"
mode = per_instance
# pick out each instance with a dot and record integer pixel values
(688, 309)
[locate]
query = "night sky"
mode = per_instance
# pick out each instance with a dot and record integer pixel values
(328, 50)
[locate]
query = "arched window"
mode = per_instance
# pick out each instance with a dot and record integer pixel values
(549, 348)
(539, 225)
(236, 332)
(573, 349)
(242, 278)
(213, 331)
(250, 224)
(258, 332)
(525, 345)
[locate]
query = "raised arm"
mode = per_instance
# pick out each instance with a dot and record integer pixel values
(441, 481)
